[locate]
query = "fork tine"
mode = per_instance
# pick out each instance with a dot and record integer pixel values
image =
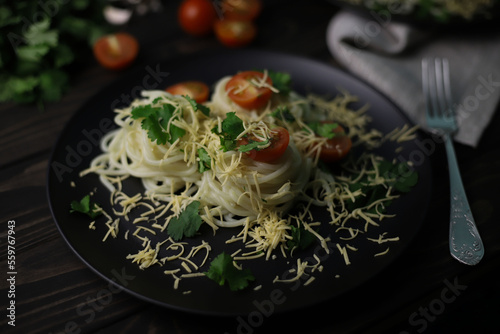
(425, 88)
(436, 86)
(442, 72)
(430, 89)
(441, 99)
(447, 89)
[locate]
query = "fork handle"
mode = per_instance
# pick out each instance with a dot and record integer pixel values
(465, 243)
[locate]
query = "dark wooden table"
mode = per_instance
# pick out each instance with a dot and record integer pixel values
(425, 290)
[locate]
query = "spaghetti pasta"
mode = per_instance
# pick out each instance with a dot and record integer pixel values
(188, 160)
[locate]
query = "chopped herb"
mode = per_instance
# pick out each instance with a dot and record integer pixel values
(253, 145)
(222, 269)
(156, 121)
(38, 49)
(401, 176)
(158, 99)
(196, 106)
(186, 224)
(301, 238)
(84, 206)
(282, 81)
(232, 126)
(283, 113)
(205, 162)
(398, 175)
(324, 129)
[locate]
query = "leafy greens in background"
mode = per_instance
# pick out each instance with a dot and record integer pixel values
(39, 43)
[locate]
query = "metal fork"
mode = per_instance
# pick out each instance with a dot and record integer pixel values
(465, 243)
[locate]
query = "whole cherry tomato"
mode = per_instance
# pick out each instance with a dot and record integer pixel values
(235, 33)
(197, 17)
(243, 89)
(116, 51)
(279, 142)
(196, 90)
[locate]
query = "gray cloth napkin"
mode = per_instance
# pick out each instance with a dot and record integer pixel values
(388, 56)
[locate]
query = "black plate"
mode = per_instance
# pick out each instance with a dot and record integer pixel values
(78, 144)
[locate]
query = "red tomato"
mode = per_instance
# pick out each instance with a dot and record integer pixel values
(196, 90)
(337, 147)
(197, 17)
(116, 51)
(247, 95)
(279, 143)
(235, 33)
(241, 9)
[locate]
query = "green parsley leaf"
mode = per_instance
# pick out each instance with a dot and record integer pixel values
(283, 113)
(196, 106)
(282, 81)
(222, 270)
(205, 162)
(402, 176)
(53, 83)
(253, 145)
(158, 99)
(84, 206)
(232, 126)
(324, 129)
(38, 33)
(33, 53)
(186, 224)
(156, 121)
(301, 238)
(39, 45)
(399, 176)
(63, 55)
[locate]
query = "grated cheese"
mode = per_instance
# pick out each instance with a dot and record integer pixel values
(237, 192)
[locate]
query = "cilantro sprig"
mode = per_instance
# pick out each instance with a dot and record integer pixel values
(398, 175)
(197, 106)
(205, 162)
(186, 224)
(86, 207)
(222, 270)
(282, 81)
(38, 52)
(253, 145)
(301, 238)
(283, 113)
(232, 126)
(324, 129)
(156, 123)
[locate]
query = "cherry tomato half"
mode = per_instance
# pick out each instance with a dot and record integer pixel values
(196, 90)
(279, 143)
(242, 91)
(116, 51)
(197, 17)
(235, 33)
(241, 9)
(337, 147)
